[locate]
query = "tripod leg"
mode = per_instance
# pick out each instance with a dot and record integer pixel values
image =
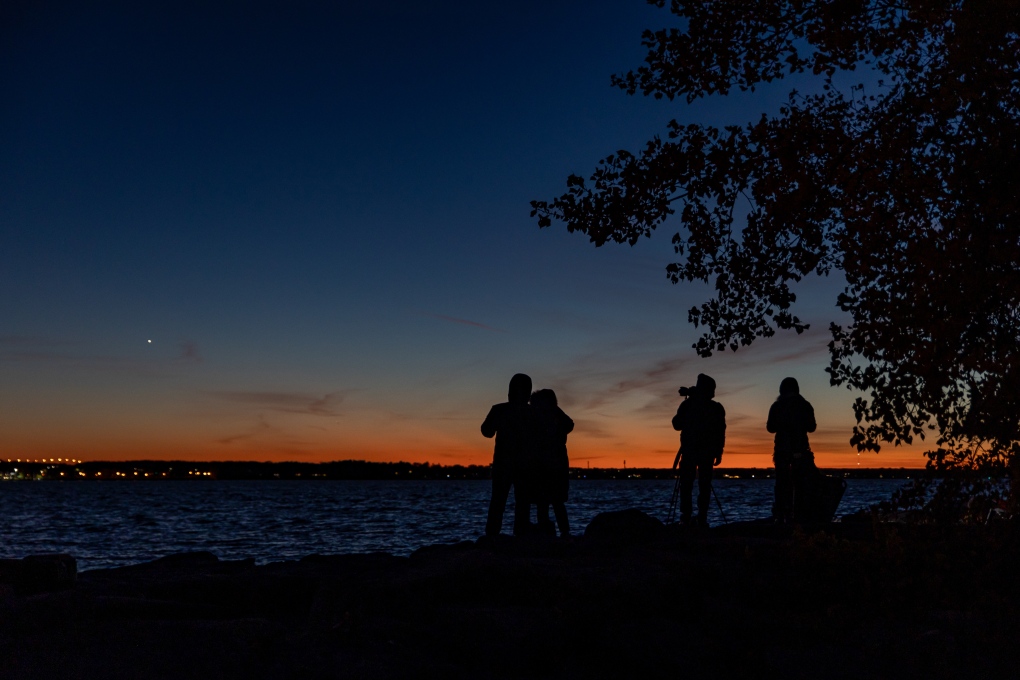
(718, 504)
(671, 515)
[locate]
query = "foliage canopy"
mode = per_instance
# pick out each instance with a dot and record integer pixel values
(906, 182)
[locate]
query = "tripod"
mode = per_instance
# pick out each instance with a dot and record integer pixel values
(671, 515)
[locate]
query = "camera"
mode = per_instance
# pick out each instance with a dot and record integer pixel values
(687, 391)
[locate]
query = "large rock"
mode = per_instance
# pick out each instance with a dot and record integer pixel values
(745, 604)
(39, 573)
(625, 527)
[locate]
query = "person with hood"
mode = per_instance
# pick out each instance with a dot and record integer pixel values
(510, 423)
(791, 418)
(550, 471)
(701, 422)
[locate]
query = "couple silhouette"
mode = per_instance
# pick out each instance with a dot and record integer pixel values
(530, 456)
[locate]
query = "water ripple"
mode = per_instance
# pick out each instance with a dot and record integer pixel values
(107, 524)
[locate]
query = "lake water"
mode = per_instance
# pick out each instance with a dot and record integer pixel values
(106, 524)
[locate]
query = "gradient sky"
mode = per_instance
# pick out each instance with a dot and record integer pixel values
(320, 219)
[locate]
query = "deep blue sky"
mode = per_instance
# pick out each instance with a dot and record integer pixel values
(319, 217)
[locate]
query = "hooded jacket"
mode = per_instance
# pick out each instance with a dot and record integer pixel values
(702, 425)
(791, 417)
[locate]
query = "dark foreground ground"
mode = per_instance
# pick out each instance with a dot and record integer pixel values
(629, 600)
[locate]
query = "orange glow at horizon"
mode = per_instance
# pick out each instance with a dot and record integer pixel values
(610, 428)
(657, 452)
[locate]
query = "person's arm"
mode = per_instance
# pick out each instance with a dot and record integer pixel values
(680, 419)
(809, 422)
(773, 423)
(566, 423)
(722, 436)
(491, 423)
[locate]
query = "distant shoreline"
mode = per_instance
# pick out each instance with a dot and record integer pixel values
(150, 470)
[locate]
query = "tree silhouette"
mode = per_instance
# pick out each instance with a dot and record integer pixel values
(907, 182)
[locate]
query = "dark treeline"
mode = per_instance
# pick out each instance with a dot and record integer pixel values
(743, 473)
(359, 470)
(178, 469)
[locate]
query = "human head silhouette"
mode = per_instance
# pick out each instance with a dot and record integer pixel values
(520, 388)
(706, 386)
(544, 399)
(788, 386)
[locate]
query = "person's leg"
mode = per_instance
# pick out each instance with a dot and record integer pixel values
(542, 520)
(688, 470)
(522, 510)
(704, 491)
(803, 476)
(500, 491)
(783, 509)
(542, 512)
(561, 519)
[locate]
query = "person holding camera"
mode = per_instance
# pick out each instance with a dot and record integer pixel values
(701, 422)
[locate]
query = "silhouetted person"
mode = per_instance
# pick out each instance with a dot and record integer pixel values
(701, 422)
(791, 417)
(549, 479)
(510, 423)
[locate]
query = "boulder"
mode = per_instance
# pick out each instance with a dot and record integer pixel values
(624, 527)
(40, 573)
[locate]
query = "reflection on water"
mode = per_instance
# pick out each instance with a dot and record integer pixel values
(114, 523)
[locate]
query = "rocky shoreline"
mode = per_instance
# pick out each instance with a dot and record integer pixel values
(629, 599)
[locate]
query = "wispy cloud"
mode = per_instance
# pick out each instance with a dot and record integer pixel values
(68, 354)
(31, 341)
(592, 428)
(189, 352)
(281, 439)
(287, 402)
(466, 322)
(33, 349)
(598, 380)
(92, 362)
(261, 427)
(809, 353)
